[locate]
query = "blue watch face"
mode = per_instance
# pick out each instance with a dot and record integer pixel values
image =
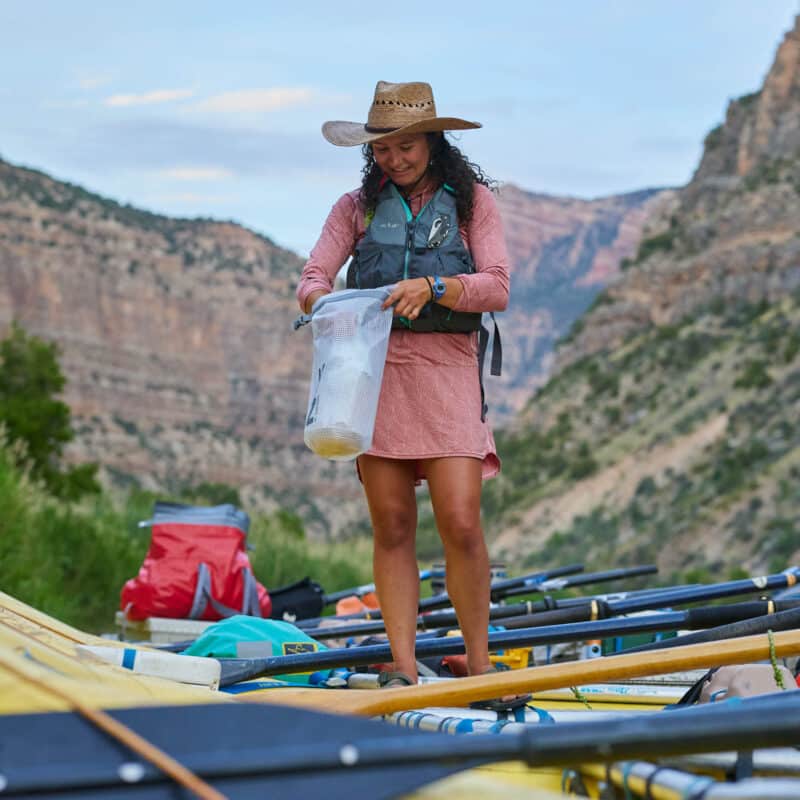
(438, 287)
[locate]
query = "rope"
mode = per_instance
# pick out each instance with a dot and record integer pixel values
(778, 675)
(648, 784)
(625, 772)
(569, 777)
(580, 696)
(703, 784)
(147, 750)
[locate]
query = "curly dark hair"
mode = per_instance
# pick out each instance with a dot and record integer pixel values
(448, 165)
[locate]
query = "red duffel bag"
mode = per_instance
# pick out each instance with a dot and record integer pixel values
(196, 568)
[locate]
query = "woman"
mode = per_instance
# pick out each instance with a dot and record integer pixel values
(425, 220)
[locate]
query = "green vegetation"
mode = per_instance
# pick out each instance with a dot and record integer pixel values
(662, 242)
(732, 370)
(35, 420)
(771, 171)
(71, 559)
(67, 548)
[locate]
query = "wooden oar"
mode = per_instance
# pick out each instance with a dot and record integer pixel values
(462, 691)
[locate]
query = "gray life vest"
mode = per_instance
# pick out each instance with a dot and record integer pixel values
(397, 245)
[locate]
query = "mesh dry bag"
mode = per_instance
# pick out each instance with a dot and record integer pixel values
(351, 336)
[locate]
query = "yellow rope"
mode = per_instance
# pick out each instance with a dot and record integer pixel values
(580, 696)
(774, 661)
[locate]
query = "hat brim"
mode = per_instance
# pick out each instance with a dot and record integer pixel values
(350, 134)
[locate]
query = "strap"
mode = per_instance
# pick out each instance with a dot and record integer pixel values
(201, 590)
(250, 604)
(497, 349)
(203, 596)
(496, 364)
(303, 319)
(483, 343)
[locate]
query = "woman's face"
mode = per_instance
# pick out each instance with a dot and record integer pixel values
(403, 158)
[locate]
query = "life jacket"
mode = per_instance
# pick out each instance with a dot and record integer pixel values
(397, 245)
(196, 567)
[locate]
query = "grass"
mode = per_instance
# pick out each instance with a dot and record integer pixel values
(71, 560)
(638, 403)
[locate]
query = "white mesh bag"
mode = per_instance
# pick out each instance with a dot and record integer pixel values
(351, 336)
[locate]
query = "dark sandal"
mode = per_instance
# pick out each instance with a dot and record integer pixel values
(498, 704)
(394, 680)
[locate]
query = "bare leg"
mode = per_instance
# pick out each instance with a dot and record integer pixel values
(455, 487)
(389, 486)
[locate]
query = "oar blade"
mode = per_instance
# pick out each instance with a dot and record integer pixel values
(61, 755)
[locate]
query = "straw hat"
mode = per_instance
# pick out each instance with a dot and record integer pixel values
(396, 108)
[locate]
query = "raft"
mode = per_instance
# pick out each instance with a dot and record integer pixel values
(285, 742)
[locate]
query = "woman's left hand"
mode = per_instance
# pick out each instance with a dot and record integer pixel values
(409, 297)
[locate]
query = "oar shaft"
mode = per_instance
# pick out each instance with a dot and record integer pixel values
(695, 618)
(580, 580)
(236, 669)
(443, 600)
(714, 591)
(433, 621)
(360, 591)
(510, 583)
(534, 579)
(782, 620)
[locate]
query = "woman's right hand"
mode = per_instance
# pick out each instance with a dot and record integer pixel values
(409, 297)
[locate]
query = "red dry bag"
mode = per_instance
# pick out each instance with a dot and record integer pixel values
(196, 568)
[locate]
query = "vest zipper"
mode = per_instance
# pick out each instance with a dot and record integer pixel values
(411, 224)
(410, 227)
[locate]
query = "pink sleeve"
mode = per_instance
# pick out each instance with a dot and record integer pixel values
(335, 245)
(487, 288)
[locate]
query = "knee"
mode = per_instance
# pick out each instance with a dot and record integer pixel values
(395, 529)
(461, 531)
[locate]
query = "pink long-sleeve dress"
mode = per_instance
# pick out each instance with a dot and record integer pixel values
(430, 400)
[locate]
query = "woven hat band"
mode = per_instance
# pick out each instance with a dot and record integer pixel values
(399, 104)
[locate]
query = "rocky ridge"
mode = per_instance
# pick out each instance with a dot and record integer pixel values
(731, 233)
(177, 344)
(669, 429)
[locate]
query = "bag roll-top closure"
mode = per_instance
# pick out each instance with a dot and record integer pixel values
(225, 514)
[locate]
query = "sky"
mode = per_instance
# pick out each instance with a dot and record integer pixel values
(213, 109)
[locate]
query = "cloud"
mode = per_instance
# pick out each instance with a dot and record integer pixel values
(249, 100)
(158, 145)
(197, 173)
(148, 98)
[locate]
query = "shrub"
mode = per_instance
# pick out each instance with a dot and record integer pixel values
(662, 242)
(754, 375)
(32, 414)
